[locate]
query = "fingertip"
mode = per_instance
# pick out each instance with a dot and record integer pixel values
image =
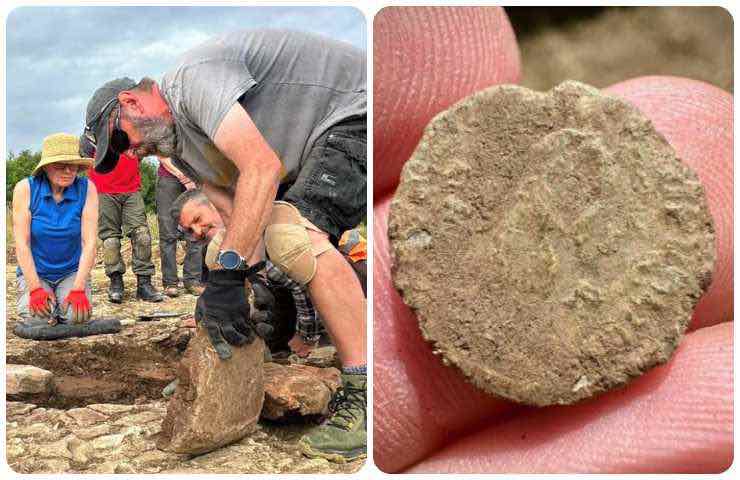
(420, 403)
(676, 418)
(697, 120)
(424, 60)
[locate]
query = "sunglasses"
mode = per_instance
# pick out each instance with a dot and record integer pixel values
(119, 141)
(72, 167)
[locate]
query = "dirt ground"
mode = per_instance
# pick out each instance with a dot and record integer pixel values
(602, 46)
(126, 374)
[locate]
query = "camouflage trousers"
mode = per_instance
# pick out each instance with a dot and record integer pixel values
(123, 215)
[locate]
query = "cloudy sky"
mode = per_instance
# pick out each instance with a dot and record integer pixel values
(57, 56)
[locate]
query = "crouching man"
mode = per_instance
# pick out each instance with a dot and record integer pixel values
(198, 219)
(251, 117)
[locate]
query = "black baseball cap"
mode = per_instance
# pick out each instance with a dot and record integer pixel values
(97, 132)
(87, 150)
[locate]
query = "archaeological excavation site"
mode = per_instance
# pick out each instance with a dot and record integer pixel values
(96, 404)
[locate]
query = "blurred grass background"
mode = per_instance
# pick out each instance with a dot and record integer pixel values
(605, 45)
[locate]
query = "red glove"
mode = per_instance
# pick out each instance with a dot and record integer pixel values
(39, 303)
(81, 309)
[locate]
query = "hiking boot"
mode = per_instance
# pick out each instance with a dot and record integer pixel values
(171, 291)
(115, 289)
(194, 288)
(146, 291)
(343, 437)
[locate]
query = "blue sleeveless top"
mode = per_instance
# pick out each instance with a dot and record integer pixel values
(56, 228)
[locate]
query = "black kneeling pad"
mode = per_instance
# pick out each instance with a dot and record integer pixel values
(40, 330)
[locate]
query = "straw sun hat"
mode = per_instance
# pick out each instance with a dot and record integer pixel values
(61, 148)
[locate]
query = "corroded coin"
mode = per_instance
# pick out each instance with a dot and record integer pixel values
(552, 245)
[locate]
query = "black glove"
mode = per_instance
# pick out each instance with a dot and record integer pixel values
(264, 304)
(224, 311)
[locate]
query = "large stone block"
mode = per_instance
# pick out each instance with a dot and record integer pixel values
(216, 402)
(27, 379)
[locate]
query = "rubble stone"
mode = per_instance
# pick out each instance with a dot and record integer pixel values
(85, 416)
(292, 390)
(18, 408)
(31, 448)
(322, 357)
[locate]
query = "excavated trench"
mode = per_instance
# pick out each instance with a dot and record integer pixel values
(130, 367)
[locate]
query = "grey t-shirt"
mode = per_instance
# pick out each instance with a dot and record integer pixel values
(293, 85)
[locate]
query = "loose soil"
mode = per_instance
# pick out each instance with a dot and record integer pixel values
(605, 45)
(126, 373)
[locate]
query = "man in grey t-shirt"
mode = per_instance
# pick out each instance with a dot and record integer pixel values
(253, 117)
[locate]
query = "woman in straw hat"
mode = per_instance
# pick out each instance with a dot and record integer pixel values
(55, 215)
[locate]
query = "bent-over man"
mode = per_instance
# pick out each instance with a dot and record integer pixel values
(254, 116)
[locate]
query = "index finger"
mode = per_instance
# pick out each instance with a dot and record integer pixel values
(214, 335)
(424, 60)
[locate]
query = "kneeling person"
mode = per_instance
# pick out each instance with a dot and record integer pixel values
(209, 228)
(55, 214)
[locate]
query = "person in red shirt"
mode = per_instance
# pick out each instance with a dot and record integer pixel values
(122, 214)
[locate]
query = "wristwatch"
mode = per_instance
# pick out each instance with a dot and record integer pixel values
(231, 260)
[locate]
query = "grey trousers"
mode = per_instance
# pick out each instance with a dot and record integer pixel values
(60, 289)
(168, 189)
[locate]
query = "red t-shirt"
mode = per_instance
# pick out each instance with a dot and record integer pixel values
(124, 178)
(163, 172)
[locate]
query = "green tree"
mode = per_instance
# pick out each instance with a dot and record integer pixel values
(148, 183)
(18, 167)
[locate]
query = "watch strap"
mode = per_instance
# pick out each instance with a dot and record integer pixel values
(223, 274)
(252, 271)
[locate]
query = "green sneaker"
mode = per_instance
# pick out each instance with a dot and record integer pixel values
(343, 437)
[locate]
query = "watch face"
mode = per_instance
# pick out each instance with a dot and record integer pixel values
(229, 259)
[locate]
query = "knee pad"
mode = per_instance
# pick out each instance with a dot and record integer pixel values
(288, 244)
(141, 243)
(213, 248)
(111, 251)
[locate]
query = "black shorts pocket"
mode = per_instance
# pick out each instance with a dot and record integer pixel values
(338, 186)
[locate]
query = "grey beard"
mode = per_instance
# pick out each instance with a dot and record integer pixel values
(158, 137)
